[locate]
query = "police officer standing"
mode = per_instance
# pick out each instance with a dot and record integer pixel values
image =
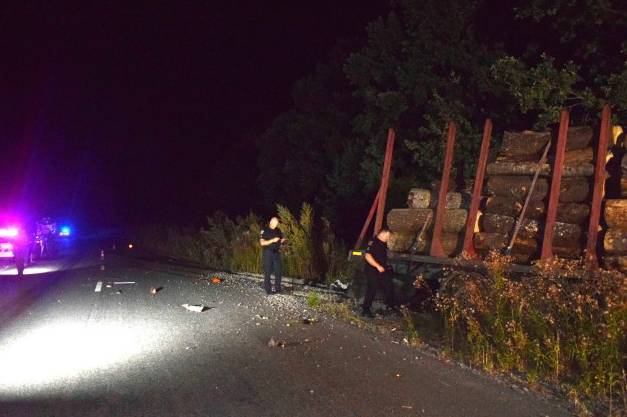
(270, 240)
(377, 275)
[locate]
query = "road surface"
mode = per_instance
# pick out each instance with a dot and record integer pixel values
(76, 340)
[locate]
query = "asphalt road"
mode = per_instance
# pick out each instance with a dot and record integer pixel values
(81, 341)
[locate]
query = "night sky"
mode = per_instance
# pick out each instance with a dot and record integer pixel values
(127, 114)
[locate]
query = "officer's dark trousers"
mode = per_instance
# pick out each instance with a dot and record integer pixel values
(375, 281)
(272, 265)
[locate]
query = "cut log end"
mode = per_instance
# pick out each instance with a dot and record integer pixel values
(616, 213)
(615, 242)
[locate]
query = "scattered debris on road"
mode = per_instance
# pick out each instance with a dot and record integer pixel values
(216, 280)
(196, 308)
(309, 320)
(118, 292)
(272, 343)
(339, 285)
(155, 290)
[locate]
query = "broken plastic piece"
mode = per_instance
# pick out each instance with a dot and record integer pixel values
(197, 308)
(339, 285)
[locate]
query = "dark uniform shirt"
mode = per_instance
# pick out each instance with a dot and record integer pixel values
(269, 234)
(379, 251)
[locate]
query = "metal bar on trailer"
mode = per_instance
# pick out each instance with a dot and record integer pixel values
(436, 241)
(461, 263)
(364, 229)
(385, 180)
(558, 166)
(598, 189)
(469, 248)
(521, 217)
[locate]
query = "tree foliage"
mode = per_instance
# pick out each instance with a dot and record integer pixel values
(424, 64)
(575, 57)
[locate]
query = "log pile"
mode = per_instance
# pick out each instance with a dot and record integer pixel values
(615, 211)
(412, 227)
(508, 183)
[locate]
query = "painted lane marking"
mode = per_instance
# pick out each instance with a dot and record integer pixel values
(98, 286)
(124, 282)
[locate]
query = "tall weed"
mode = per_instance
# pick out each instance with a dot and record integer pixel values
(551, 325)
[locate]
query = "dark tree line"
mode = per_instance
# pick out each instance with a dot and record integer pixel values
(428, 62)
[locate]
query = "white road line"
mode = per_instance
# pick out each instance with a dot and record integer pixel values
(123, 282)
(98, 286)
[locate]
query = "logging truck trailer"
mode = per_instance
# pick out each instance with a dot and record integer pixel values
(412, 264)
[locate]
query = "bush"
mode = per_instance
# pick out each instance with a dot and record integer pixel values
(311, 250)
(299, 249)
(245, 248)
(550, 326)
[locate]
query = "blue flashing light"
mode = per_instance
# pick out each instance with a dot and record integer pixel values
(65, 231)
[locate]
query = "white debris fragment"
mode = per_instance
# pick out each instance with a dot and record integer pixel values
(197, 308)
(339, 285)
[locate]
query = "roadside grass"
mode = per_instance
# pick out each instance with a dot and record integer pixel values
(313, 299)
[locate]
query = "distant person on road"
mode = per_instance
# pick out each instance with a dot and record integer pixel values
(270, 240)
(378, 274)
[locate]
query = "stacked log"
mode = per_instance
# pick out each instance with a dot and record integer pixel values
(615, 211)
(615, 240)
(420, 198)
(412, 227)
(509, 181)
(623, 179)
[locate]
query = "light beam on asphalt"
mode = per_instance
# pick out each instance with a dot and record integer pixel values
(50, 358)
(31, 270)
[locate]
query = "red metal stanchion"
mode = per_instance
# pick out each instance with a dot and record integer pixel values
(558, 166)
(378, 204)
(385, 180)
(364, 229)
(598, 189)
(469, 249)
(436, 241)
